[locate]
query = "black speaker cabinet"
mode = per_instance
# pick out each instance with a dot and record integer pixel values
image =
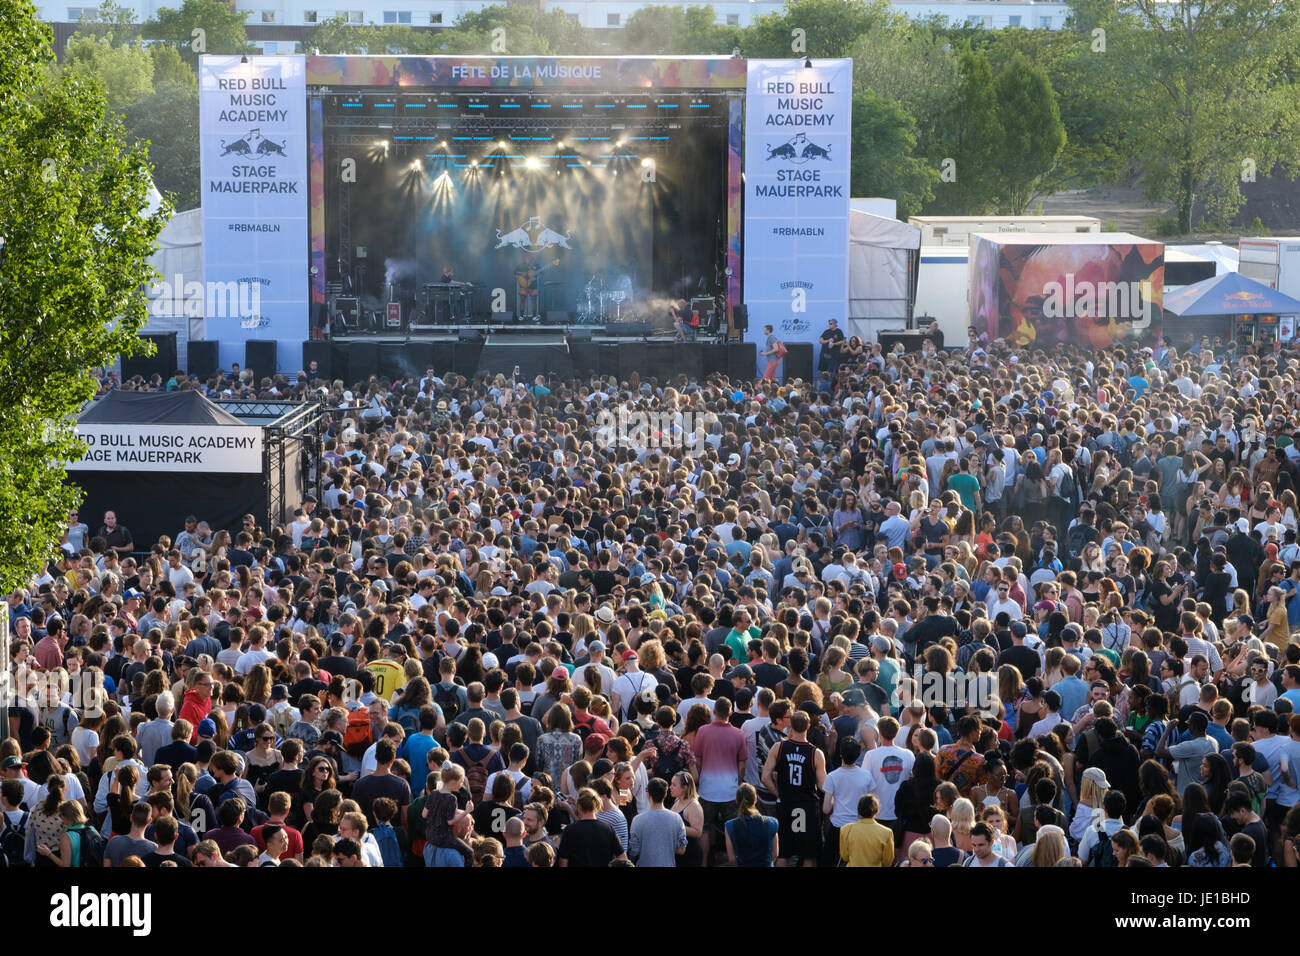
(202, 357)
(798, 361)
(260, 357)
(161, 363)
(320, 352)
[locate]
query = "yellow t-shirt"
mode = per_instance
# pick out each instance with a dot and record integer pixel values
(867, 843)
(389, 677)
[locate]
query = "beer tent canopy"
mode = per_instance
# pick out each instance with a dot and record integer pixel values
(1229, 294)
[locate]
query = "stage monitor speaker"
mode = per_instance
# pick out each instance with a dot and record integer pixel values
(162, 363)
(740, 318)
(260, 357)
(557, 317)
(580, 335)
(713, 359)
(629, 330)
(742, 361)
(363, 361)
(798, 361)
(320, 352)
(203, 360)
(502, 318)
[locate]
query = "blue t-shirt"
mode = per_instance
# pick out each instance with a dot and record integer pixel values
(415, 751)
(751, 838)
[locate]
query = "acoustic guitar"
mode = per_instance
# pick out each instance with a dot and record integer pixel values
(526, 277)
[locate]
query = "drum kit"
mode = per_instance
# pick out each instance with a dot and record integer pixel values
(601, 301)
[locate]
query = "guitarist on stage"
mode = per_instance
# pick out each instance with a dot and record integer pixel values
(526, 274)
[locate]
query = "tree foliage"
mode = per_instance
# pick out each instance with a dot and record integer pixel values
(73, 268)
(1033, 135)
(220, 26)
(885, 162)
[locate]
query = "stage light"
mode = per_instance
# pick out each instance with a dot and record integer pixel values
(416, 166)
(474, 164)
(532, 162)
(444, 144)
(501, 144)
(560, 144)
(645, 162)
(621, 141)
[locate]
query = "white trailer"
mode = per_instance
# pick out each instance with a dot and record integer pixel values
(1274, 261)
(942, 288)
(954, 231)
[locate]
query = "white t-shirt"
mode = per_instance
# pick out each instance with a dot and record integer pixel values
(250, 659)
(71, 790)
(628, 685)
(889, 767)
(847, 785)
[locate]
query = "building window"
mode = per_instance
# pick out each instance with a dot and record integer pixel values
(77, 14)
(1045, 23)
(1013, 21)
(268, 16)
(986, 22)
(309, 16)
(397, 16)
(356, 16)
(733, 19)
(611, 19)
(574, 17)
(435, 18)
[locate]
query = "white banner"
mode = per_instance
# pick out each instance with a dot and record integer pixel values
(253, 145)
(205, 448)
(798, 127)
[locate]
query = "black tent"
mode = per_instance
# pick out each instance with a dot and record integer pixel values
(163, 408)
(155, 502)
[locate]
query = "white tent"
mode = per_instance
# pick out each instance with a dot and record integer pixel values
(882, 273)
(180, 254)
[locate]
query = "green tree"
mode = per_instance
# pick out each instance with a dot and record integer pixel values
(830, 28)
(336, 36)
(113, 23)
(170, 67)
(167, 122)
(220, 28)
(125, 72)
(665, 31)
(74, 246)
(913, 65)
(1208, 90)
(1034, 134)
(885, 162)
(970, 141)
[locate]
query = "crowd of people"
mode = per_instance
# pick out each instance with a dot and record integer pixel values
(975, 607)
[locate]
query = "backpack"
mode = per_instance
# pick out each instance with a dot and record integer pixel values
(92, 847)
(13, 842)
(389, 849)
(281, 721)
(448, 701)
(357, 737)
(409, 718)
(583, 725)
(1067, 486)
(476, 774)
(669, 763)
(1076, 539)
(1102, 853)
